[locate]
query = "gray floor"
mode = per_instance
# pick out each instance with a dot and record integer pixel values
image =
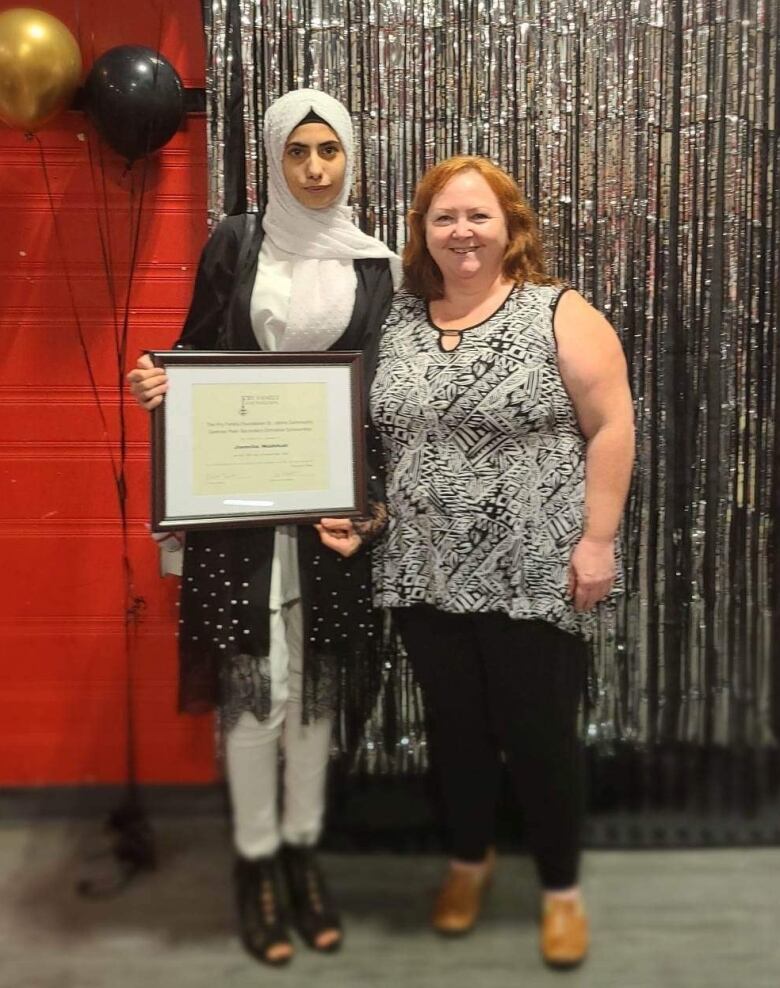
(660, 920)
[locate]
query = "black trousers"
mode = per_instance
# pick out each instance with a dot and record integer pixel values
(492, 685)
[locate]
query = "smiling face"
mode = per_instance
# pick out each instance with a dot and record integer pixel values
(465, 229)
(314, 164)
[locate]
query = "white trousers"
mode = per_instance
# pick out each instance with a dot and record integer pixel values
(253, 751)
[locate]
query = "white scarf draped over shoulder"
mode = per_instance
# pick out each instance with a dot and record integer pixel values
(323, 242)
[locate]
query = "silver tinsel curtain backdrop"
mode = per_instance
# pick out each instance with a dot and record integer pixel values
(645, 133)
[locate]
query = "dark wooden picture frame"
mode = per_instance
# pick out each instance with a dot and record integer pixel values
(165, 519)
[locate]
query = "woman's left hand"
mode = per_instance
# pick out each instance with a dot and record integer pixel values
(591, 572)
(339, 534)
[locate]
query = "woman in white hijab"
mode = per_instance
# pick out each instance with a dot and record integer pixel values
(305, 278)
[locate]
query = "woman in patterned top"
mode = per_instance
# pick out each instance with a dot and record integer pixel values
(503, 404)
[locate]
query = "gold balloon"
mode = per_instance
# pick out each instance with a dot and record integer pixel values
(40, 67)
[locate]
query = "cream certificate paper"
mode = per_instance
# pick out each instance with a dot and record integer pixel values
(259, 438)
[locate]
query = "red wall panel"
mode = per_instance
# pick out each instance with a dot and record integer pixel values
(69, 663)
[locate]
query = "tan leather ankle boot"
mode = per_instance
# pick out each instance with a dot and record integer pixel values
(564, 933)
(459, 900)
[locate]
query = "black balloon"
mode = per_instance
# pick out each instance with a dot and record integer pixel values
(134, 97)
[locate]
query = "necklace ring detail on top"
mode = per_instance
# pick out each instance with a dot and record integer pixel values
(450, 334)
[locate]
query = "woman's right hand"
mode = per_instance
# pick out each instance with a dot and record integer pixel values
(148, 383)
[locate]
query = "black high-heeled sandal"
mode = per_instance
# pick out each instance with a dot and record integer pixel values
(313, 908)
(261, 914)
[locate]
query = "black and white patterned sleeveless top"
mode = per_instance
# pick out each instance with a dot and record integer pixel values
(486, 464)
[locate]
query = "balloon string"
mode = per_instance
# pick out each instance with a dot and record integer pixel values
(104, 233)
(135, 225)
(120, 349)
(106, 242)
(133, 840)
(135, 604)
(76, 317)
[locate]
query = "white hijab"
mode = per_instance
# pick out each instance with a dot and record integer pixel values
(324, 242)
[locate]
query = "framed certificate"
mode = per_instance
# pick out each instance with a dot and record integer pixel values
(257, 438)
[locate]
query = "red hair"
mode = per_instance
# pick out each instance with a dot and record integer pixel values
(524, 257)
